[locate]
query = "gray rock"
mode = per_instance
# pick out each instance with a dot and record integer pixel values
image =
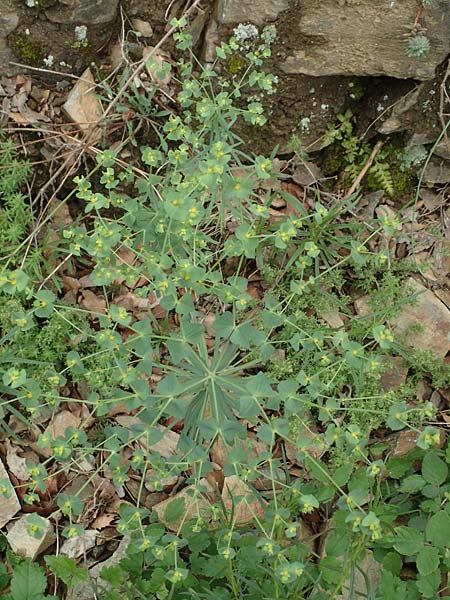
(258, 12)
(9, 20)
(24, 544)
(436, 171)
(82, 106)
(76, 547)
(85, 591)
(143, 27)
(364, 579)
(362, 38)
(432, 315)
(9, 504)
(92, 12)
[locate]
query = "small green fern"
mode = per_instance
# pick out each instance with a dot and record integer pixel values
(380, 175)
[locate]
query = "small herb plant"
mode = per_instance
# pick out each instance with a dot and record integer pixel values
(267, 378)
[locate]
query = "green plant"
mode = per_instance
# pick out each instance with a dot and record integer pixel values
(391, 170)
(184, 229)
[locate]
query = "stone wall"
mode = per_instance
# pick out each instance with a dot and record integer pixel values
(324, 50)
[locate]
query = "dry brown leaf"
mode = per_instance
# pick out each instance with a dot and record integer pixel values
(92, 302)
(86, 282)
(307, 173)
(102, 521)
(71, 284)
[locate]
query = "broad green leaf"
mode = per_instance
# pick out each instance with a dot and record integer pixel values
(4, 576)
(393, 563)
(427, 560)
(272, 319)
(408, 541)
(429, 585)
(66, 569)
(434, 469)
(28, 581)
(438, 529)
(174, 510)
(412, 484)
(224, 325)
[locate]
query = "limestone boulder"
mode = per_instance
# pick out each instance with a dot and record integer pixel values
(346, 37)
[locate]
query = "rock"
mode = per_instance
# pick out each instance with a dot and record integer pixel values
(324, 35)
(259, 12)
(398, 117)
(362, 306)
(405, 442)
(9, 20)
(57, 428)
(252, 447)
(305, 535)
(436, 171)
(142, 27)
(210, 40)
(396, 375)
(86, 590)
(307, 173)
(270, 479)
(116, 56)
(433, 317)
(332, 318)
(195, 504)
(240, 499)
(82, 107)
(414, 111)
(424, 310)
(76, 547)
(39, 94)
(90, 12)
(24, 544)
(17, 463)
(364, 579)
(443, 149)
(197, 26)
(9, 503)
(444, 295)
(163, 483)
(167, 445)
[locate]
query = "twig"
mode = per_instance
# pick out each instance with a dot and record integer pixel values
(52, 72)
(364, 170)
(55, 270)
(85, 142)
(442, 100)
